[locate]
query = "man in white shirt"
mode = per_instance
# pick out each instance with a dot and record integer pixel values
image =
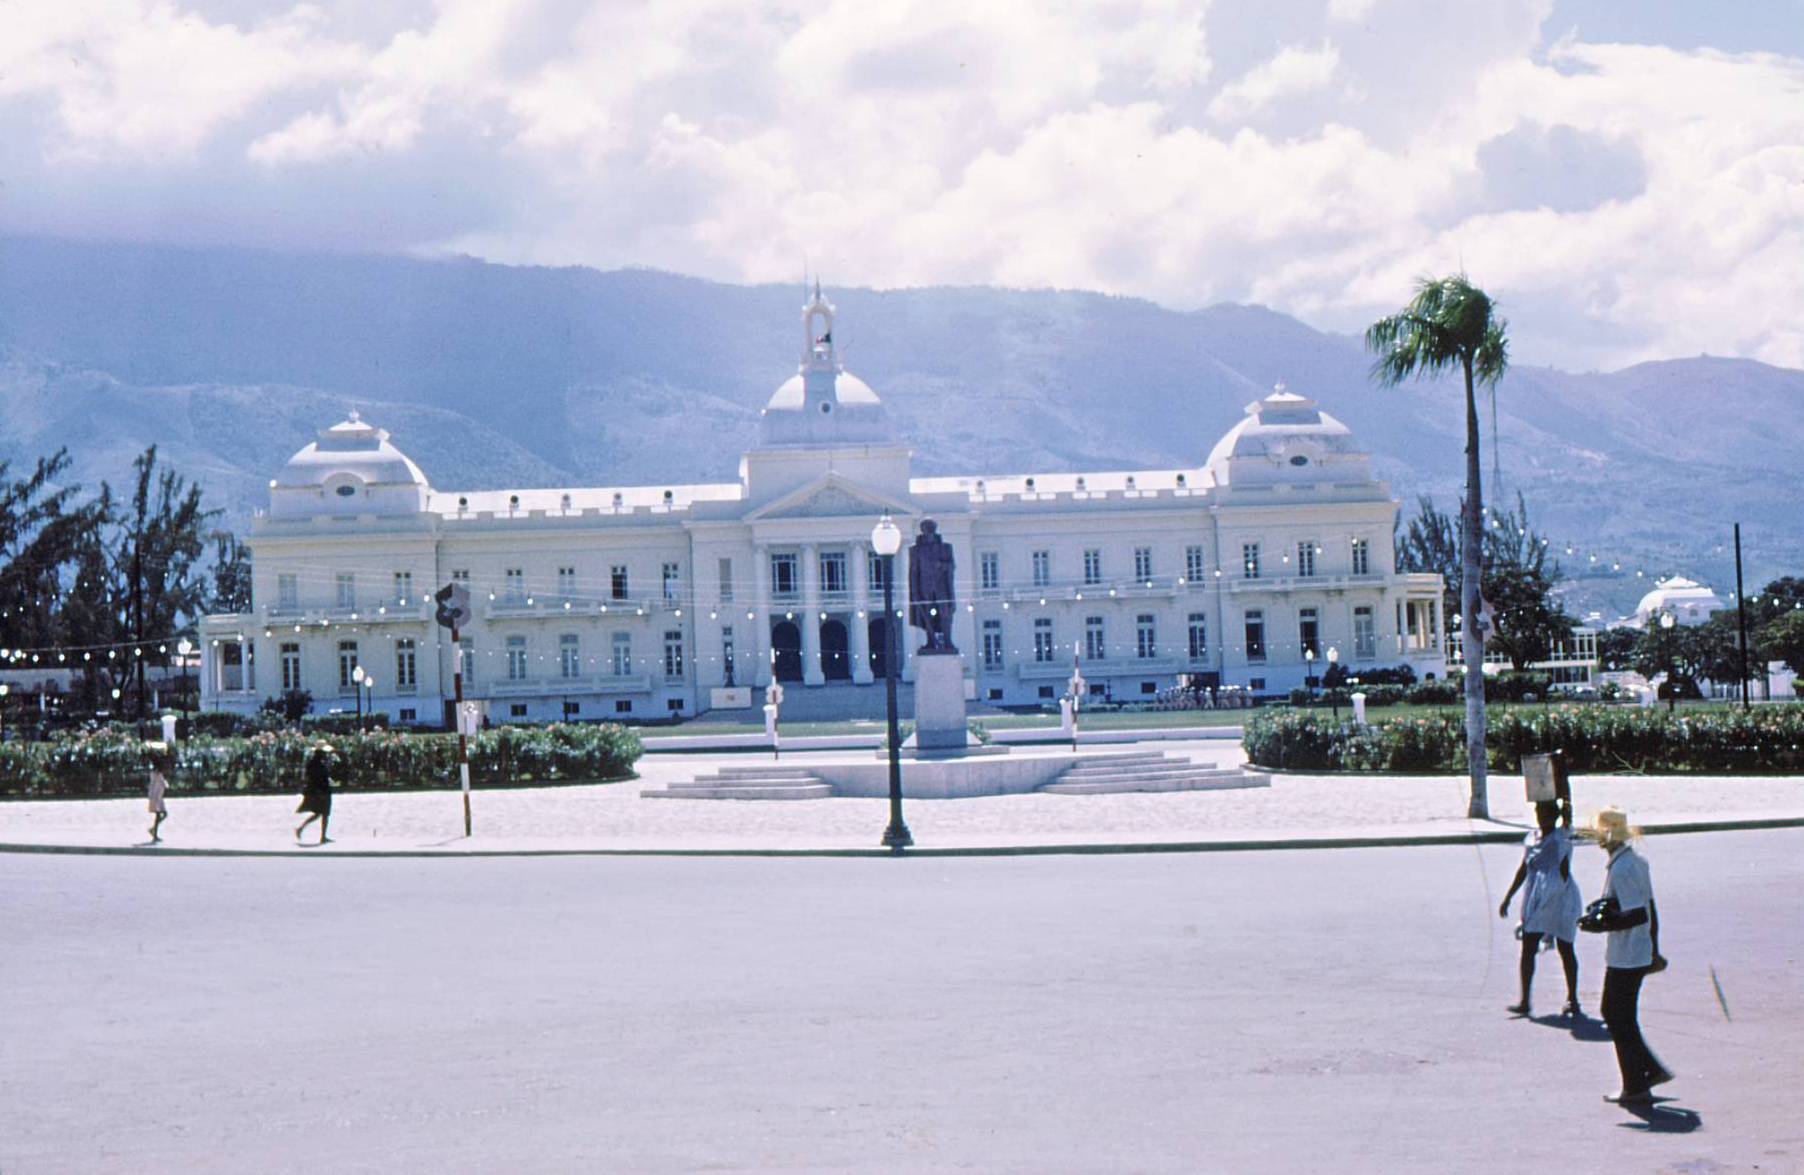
(1632, 954)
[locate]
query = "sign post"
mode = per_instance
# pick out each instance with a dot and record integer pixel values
(453, 612)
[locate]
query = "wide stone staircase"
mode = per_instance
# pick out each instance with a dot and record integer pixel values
(1130, 771)
(767, 781)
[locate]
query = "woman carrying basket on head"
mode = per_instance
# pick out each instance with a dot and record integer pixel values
(1551, 905)
(162, 766)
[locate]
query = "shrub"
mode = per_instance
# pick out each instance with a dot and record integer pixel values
(225, 724)
(290, 705)
(1435, 693)
(1594, 739)
(112, 761)
(1381, 695)
(344, 723)
(1404, 675)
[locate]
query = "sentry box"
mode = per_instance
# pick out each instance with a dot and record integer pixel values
(1544, 777)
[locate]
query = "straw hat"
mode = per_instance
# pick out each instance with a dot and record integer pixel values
(1610, 828)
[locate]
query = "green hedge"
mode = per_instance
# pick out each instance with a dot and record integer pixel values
(1767, 739)
(112, 761)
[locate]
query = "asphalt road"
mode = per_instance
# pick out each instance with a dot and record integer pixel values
(1330, 1010)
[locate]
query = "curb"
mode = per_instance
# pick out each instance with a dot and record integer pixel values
(1117, 848)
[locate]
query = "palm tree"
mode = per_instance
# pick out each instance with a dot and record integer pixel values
(1449, 323)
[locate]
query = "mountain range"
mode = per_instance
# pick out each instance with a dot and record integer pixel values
(491, 375)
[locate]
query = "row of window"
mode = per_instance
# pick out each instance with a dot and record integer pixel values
(786, 574)
(515, 648)
(1095, 645)
(1095, 642)
(514, 586)
(1309, 634)
(989, 564)
(1308, 550)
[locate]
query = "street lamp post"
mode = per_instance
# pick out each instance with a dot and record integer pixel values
(183, 648)
(1309, 672)
(357, 693)
(886, 540)
(1333, 699)
(1075, 693)
(5, 689)
(369, 700)
(1667, 620)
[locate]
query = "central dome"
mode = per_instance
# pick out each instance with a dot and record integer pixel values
(822, 405)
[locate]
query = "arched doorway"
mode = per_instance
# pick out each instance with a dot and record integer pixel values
(879, 631)
(786, 643)
(836, 657)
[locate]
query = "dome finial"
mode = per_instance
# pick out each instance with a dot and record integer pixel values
(356, 417)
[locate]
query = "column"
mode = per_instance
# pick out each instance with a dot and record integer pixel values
(810, 614)
(964, 618)
(861, 614)
(758, 670)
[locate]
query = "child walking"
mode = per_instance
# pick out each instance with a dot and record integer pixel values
(1551, 905)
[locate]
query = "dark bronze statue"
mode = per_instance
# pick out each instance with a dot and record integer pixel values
(930, 598)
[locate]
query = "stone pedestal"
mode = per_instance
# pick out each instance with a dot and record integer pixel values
(939, 703)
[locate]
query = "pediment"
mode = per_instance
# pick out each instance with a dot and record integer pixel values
(831, 497)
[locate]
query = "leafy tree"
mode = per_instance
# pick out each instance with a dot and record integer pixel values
(1681, 652)
(1450, 325)
(1430, 543)
(41, 530)
(1615, 647)
(1782, 639)
(1519, 577)
(1717, 649)
(231, 575)
(137, 576)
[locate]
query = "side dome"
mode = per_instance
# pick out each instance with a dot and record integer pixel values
(351, 469)
(1689, 602)
(1287, 439)
(822, 404)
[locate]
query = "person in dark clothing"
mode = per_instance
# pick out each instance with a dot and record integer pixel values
(316, 792)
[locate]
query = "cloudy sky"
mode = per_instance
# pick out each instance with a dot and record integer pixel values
(1627, 178)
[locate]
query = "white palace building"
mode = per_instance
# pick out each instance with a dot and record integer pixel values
(647, 602)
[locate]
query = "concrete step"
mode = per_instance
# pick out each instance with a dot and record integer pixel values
(748, 780)
(1210, 781)
(1090, 765)
(792, 791)
(1176, 771)
(762, 771)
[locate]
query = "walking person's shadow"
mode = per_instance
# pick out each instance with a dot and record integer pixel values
(1656, 1118)
(1581, 1027)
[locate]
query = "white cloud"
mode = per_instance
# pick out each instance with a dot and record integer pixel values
(1293, 71)
(130, 78)
(1014, 142)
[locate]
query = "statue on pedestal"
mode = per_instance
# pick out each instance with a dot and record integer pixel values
(930, 597)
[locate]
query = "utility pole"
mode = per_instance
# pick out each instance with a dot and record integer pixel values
(1741, 618)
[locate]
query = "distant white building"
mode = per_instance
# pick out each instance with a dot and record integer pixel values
(646, 601)
(1689, 602)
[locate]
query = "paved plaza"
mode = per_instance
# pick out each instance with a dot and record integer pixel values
(1306, 1011)
(616, 817)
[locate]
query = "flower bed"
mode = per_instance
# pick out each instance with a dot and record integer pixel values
(1765, 740)
(113, 762)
